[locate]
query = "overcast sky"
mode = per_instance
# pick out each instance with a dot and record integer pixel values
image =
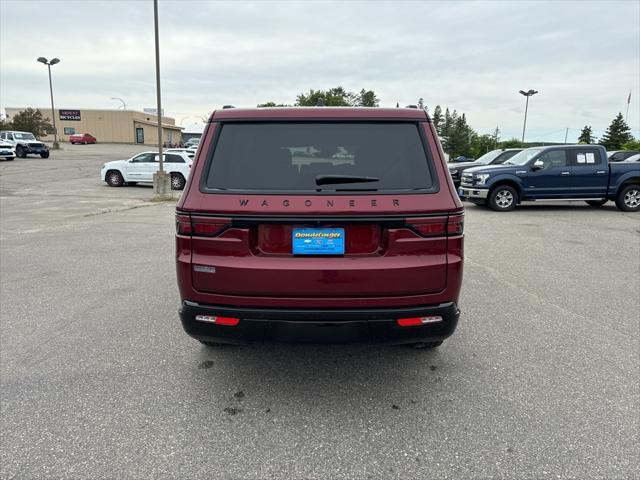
(583, 57)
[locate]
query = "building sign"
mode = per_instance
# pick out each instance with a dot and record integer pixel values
(69, 130)
(152, 111)
(69, 115)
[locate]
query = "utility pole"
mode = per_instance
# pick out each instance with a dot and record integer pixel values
(48, 63)
(160, 178)
(527, 94)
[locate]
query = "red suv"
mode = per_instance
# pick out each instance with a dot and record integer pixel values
(319, 224)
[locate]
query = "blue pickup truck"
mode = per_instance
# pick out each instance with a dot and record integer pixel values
(566, 172)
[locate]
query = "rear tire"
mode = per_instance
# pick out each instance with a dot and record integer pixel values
(628, 199)
(502, 198)
(214, 344)
(177, 181)
(114, 178)
(597, 203)
(426, 345)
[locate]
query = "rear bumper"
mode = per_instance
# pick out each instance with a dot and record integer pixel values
(319, 325)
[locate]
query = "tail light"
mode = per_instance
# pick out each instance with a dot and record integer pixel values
(229, 321)
(416, 321)
(437, 226)
(195, 226)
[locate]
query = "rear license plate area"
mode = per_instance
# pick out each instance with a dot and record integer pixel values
(318, 241)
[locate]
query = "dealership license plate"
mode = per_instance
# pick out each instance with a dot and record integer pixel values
(318, 241)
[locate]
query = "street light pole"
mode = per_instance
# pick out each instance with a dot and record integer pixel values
(48, 63)
(527, 94)
(124, 105)
(160, 178)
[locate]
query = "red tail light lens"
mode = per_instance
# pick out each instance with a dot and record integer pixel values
(201, 226)
(455, 225)
(437, 226)
(228, 321)
(415, 321)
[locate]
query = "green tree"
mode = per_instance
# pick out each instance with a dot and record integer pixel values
(366, 98)
(617, 134)
(481, 144)
(437, 119)
(632, 145)
(31, 120)
(586, 135)
(511, 143)
(272, 104)
(334, 97)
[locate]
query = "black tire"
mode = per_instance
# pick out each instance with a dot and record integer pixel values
(114, 178)
(20, 153)
(502, 198)
(213, 344)
(596, 203)
(177, 181)
(45, 155)
(426, 345)
(628, 198)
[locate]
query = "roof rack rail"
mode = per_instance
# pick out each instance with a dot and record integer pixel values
(411, 106)
(224, 107)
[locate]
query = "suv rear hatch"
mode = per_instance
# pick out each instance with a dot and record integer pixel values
(320, 209)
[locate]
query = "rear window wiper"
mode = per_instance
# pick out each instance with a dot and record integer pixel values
(330, 179)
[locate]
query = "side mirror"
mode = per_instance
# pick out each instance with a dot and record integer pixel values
(537, 165)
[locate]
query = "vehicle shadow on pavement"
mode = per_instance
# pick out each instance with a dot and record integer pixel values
(319, 377)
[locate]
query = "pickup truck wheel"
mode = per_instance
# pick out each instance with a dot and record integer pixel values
(177, 181)
(20, 153)
(426, 345)
(628, 200)
(503, 198)
(114, 178)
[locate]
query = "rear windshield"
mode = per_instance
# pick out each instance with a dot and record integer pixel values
(319, 157)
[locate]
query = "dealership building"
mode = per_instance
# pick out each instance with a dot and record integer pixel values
(110, 126)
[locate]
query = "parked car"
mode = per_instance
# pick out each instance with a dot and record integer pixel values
(461, 159)
(24, 143)
(568, 172)
(633, 158)
(141, 167)
(190, 152)
(192, 142)
(621, 155)
(273, 245)
(6, 151)
(494, 157)
(83, 138)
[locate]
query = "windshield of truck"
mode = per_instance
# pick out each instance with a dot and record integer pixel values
(523, 157)
(319, 157)
(488, 157)
(23, 136)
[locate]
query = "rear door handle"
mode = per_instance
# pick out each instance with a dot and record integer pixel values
(600, 172)
(565, 173)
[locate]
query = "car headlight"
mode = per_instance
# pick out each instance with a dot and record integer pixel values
(481, 178)
(454, 173)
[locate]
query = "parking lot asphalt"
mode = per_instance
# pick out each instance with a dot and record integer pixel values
(98, 380)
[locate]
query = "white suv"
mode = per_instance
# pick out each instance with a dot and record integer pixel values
(141, 167)
(6, 150)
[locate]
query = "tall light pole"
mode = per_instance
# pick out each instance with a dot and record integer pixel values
(528, 94)
(124, 105)
(53, 113)
(160, 178)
